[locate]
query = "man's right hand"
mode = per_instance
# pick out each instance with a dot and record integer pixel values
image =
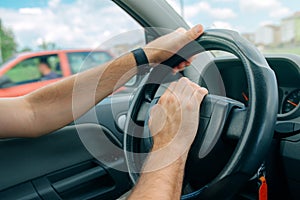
(174, 120)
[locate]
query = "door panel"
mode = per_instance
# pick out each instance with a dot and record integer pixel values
(68, 163)
(59, 166)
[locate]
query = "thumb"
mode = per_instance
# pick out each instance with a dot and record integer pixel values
(194, 32)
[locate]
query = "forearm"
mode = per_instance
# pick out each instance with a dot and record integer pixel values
(58, 104)
(165, 183)
(74, 96)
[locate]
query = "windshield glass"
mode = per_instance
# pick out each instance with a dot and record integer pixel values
(30, 25)
(272, 25)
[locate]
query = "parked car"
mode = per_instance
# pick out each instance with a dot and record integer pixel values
(21, 75)
(254, 121)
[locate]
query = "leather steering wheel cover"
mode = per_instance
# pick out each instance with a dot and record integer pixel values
(261, 115)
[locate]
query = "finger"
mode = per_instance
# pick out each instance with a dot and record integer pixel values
(182, 83)
(195, 86)
(169, 99)
(188, 91)
(157, 119)
(197, 98)
(194, 32)
(171, 87)
(187, 63)
(190, 60)
(203, 91)
(200, 92)
(183, 65)
(192, 97)
(180, 67)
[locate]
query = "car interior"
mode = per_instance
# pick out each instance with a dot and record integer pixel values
(249, 125)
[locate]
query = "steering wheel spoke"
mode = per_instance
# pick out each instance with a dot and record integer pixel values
(214, 114)
(235, 127)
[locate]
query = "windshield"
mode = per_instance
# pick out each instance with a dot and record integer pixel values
(30, 25)
(272, 25)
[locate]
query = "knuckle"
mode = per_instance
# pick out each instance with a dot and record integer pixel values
(171, 86)
(199, 97)
(183, 80)
(171, 99)
(189, 106)
(196, 86)
(181, 30)
(191, 35)
(162, 99)
(203, 91)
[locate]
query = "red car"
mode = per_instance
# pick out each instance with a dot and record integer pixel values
(21, 75)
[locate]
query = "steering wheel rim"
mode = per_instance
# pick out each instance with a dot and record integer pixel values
(260, 115)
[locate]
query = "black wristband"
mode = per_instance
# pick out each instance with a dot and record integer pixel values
(141, 60)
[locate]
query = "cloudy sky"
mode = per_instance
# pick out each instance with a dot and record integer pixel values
(242, 15)
(85, 23)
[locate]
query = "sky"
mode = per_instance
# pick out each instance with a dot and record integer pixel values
(86, 23)
(241, 15)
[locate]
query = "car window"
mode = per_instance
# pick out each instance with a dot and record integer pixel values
(27, 71)
(68, 25)
(81, 61)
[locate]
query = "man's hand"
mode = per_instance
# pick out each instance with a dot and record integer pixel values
(174, 120)
(164, 47)
(173, 123)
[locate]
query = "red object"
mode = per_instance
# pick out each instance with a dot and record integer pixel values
(263, 189)
(25, 88)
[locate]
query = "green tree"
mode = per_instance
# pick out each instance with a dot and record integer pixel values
(47, 45)
(8, 46)
(25, 49)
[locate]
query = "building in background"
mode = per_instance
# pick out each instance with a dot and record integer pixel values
(290, 29)
(286, 33)
(267, 35)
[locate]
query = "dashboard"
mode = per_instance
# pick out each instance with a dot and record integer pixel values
(287, 72)
(284, 161)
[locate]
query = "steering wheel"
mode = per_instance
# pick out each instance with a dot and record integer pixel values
(217, 174)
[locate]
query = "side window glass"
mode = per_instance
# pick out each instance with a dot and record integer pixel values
(34, 70)
(116, 33)
(81, 61)
(24, 72)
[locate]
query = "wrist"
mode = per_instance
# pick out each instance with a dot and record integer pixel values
(141, 60)
(158, 161)
(150, 55)
(163, 156)
(156, 55)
